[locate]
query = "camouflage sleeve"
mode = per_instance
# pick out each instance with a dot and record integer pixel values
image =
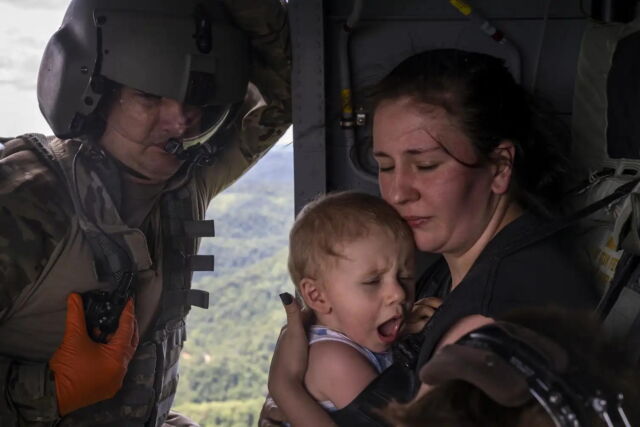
(266, 113)
(246, 142)
(29, 394)
(265, 22)
(32, 219)
(31, 224)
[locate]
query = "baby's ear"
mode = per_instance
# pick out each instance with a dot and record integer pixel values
(313, 294)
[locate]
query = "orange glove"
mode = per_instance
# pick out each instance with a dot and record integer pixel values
(85, 371)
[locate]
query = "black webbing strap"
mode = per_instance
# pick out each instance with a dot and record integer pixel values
(611, 309)
(627, 265)
(111, 258)
(179, 259)
(538, 234)
(633, 341)
(618, 308)
(624, 270)
(204, 228)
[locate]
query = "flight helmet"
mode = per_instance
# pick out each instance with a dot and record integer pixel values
(187, 50)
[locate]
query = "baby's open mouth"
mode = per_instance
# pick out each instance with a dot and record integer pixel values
(388, 331)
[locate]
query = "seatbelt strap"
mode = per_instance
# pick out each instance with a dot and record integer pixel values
(540, 233)
(619, 308)
(633, 340)
(624, 270)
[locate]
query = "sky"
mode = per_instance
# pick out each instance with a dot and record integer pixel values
(25, 30)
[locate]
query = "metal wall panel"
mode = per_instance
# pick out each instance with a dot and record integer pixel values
(545, 36)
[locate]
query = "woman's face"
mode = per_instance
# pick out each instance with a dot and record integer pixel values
(447, 204)
(139, 125)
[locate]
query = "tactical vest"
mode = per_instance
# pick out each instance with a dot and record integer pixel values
(150, 384)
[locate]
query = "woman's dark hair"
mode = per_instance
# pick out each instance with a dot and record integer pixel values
(480, 92)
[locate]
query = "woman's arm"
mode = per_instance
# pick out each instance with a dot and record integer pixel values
(463, 327)
(337, 372)
(457, 331)
(288, 369)
(266, 111)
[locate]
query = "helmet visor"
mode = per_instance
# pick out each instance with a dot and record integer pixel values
(213, 118)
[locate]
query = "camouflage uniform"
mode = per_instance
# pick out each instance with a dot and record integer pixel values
(44, 256)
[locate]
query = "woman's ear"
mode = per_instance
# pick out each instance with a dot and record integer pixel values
(314, 296)
(503, 157)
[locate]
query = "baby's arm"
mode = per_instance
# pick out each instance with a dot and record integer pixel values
(337, 372)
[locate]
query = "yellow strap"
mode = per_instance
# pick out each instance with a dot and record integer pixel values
(462, 7)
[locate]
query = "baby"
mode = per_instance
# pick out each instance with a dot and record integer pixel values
(351, 258)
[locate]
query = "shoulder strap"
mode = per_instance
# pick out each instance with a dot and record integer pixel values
(619, 308)
(112, 258)
(538, 234)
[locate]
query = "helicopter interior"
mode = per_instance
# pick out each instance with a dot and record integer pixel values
(581, 56)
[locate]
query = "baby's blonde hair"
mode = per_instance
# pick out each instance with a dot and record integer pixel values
(334, 219)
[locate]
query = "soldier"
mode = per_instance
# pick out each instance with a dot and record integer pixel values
(99, 227)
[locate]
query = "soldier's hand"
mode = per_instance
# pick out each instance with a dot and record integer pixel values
(421, 313)
(85, 371)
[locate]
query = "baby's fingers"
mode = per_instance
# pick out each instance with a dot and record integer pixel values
(430, 301)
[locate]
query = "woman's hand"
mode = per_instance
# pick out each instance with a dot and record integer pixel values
(290, 357)
(421, 312)
(288, 369)
(271, 415)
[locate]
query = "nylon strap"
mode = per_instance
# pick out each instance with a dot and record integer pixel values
(112, 255)
(540, 233)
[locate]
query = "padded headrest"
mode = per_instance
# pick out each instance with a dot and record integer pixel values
(623, 100)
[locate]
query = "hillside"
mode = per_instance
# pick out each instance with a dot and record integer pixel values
(225, 362)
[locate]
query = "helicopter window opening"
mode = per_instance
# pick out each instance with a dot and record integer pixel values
(225, 361)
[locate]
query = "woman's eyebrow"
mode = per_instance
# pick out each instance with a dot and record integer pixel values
(410, 151)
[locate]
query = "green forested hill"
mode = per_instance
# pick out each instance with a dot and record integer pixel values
(225, 362)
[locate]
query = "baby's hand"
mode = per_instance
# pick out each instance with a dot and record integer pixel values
(420, 314)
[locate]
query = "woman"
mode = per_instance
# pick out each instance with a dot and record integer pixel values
(474, 167)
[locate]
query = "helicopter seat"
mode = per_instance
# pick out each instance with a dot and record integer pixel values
(606, 135)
